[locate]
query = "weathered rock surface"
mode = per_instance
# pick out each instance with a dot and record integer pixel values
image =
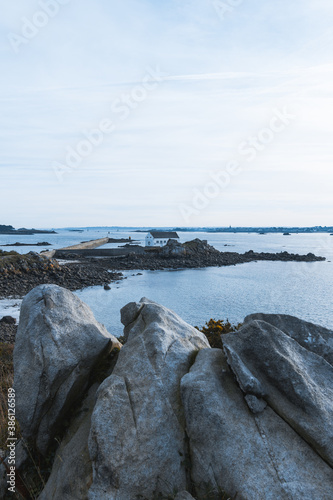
(137, 441)
(173, 417)
(296, 382)
(315, 338)
(57, 344)
(173, 248)
(256, 457)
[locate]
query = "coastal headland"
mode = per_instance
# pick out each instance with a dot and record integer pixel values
(86, 264)
(191, 254)
(84, 267)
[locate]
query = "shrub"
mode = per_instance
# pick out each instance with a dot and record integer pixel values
(213, 330)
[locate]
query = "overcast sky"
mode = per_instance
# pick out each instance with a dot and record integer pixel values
(211, 113)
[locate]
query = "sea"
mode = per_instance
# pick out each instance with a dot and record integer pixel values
(296, 288)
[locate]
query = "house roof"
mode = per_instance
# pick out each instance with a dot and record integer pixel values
(164, 234)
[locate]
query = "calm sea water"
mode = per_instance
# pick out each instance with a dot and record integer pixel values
(300, 289)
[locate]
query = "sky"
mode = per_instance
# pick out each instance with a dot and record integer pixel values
(166, 113)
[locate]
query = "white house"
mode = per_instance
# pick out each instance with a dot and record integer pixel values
(160, 238)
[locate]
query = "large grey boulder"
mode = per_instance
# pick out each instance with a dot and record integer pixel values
(58, 343)
(137, 441)
(247, 456)
(296, 382)
(175, 418)
(315, 338)
(173, 248)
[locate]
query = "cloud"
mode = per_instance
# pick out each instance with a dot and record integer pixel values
(222, 82)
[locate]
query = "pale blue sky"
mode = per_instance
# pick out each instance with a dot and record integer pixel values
(224, 79)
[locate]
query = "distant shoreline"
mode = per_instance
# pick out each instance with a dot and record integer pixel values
(10, 230)
(256, 230)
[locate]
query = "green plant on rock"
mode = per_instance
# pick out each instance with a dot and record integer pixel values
(213, 330)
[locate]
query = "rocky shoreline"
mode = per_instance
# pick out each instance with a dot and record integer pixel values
(19, 274)
(31, 270)
(146, 262)
(165, 415)
(190, 255)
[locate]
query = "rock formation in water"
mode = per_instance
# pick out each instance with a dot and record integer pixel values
(174, 418)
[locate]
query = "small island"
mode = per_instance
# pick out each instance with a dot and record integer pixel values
(23, 231)
(17, 244)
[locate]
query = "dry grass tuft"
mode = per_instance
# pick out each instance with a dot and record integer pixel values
(6, 381)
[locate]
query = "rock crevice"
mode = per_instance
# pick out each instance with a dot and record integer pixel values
(297, 383)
